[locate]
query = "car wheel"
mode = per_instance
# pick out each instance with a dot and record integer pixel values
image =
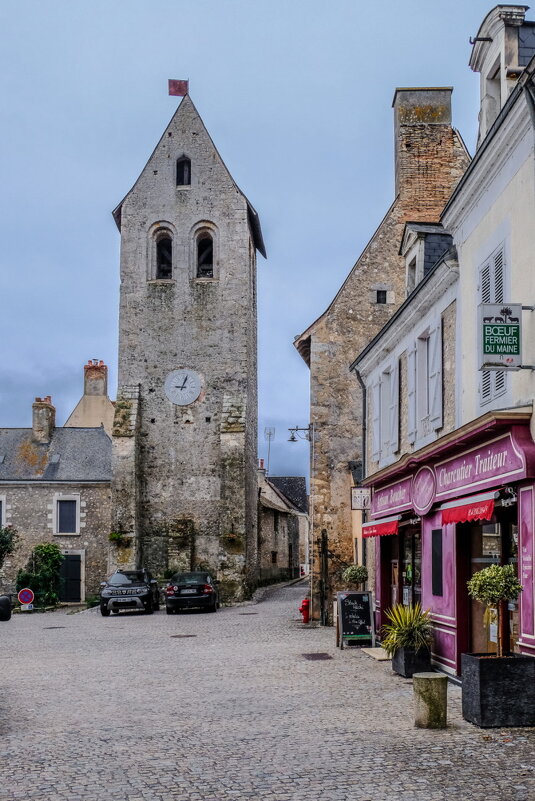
(148, 609)
(169, 611)
(104, 612)
(213, 608)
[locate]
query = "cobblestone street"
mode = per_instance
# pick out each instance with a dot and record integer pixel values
(213, 707)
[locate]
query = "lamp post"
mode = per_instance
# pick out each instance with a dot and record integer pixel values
(308, 433)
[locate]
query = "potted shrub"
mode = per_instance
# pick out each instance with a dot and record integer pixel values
(355, 574)
(498, 689)
(407, 639)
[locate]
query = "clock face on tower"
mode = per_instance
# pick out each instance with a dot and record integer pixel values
(182, 387)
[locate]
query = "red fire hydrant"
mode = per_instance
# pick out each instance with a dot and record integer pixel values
(305, 610)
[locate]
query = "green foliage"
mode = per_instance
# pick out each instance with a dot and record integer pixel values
(355, 574)
(494, 584)
(120, 539)
(8, 542)
(42, 574)
(409, 627)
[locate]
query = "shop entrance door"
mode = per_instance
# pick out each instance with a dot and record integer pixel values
(493, 543)
(411, 566)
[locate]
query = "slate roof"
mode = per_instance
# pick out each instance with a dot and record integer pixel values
(73, 455)
(294, 488)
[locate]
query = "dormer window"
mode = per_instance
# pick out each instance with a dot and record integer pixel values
(205, 256)
(183, 171)
(164, 256)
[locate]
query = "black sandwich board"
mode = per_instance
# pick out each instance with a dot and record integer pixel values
(355, 622)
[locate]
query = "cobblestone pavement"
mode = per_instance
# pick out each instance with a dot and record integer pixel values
(127, 708)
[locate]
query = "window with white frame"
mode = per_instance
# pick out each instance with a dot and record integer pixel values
(66, 514)
(424, 384)
(385, 413)
(492, 383)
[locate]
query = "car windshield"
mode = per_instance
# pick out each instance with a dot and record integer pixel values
(130, 577)
(190, 578)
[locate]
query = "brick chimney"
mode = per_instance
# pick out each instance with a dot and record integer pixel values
(43, 419)
(95, 378)
(424, 148)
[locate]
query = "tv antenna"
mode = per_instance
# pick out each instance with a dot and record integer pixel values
(269, 434)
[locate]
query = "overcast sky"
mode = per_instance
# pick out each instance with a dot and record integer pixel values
(297, 96)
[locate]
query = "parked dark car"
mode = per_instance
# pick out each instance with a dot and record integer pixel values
(129, 589)
(190, 590)
(5, 607)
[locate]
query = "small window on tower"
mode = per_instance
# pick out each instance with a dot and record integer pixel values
(381, 296)
(183, 171)
(164, 257)
(205, 256)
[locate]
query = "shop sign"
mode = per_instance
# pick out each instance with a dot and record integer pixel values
(392, 498)
(423, 490)
(500, 336)
(482, 467)
(360, 498)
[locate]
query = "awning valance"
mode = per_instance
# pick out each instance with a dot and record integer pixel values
(382, 527)
(463, 510)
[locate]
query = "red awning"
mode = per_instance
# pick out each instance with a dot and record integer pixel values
(380, 528)
(478, 507)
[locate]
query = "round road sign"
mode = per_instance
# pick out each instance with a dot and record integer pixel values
(26, 596)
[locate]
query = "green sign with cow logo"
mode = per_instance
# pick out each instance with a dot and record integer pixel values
(500, 336)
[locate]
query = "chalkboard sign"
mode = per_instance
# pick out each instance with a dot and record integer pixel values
(355, 618)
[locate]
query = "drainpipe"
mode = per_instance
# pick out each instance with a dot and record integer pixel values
(364, 418)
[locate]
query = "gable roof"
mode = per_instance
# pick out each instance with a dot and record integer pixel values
(294, 488)
(73, 455)
(254, 220)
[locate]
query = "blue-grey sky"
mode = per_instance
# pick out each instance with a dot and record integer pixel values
(296, 95)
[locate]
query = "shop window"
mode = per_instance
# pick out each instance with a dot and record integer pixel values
(436, 562)
(491, 290)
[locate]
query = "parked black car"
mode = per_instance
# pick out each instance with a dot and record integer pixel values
(5, 607)
(129, 589)
(189, 590)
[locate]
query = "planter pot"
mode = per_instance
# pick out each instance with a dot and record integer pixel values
(498, 691)
(407, 661)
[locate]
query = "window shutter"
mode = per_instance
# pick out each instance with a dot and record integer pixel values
(492, 283)
(411, 394)
(394, 407)
(435, 377)
(498, 277)
(376, 417)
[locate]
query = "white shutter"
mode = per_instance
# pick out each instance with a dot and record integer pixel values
(435, 377)
(394, 407)
(411, 394)
(376, 418)
(492, 283)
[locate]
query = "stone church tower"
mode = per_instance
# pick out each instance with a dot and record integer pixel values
(185, 428)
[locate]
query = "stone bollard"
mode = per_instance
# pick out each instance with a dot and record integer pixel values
(430, 700)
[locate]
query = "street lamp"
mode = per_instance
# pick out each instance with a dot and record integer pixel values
(308, 433)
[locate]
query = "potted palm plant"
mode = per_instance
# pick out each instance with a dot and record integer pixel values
(407, 639)
(498, 689)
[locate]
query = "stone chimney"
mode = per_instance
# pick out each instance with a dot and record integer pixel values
(423, 132)
(261, 466)
(95, 378)
(43, 419)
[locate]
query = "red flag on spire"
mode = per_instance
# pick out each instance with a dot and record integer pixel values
(178, 88)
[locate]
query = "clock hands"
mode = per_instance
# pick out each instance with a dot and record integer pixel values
(183, 384)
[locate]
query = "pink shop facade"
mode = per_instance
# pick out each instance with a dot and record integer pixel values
(447, 511)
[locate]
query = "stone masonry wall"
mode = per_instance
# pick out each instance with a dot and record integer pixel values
(29, 509)
(430, 159)
(196, 464)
